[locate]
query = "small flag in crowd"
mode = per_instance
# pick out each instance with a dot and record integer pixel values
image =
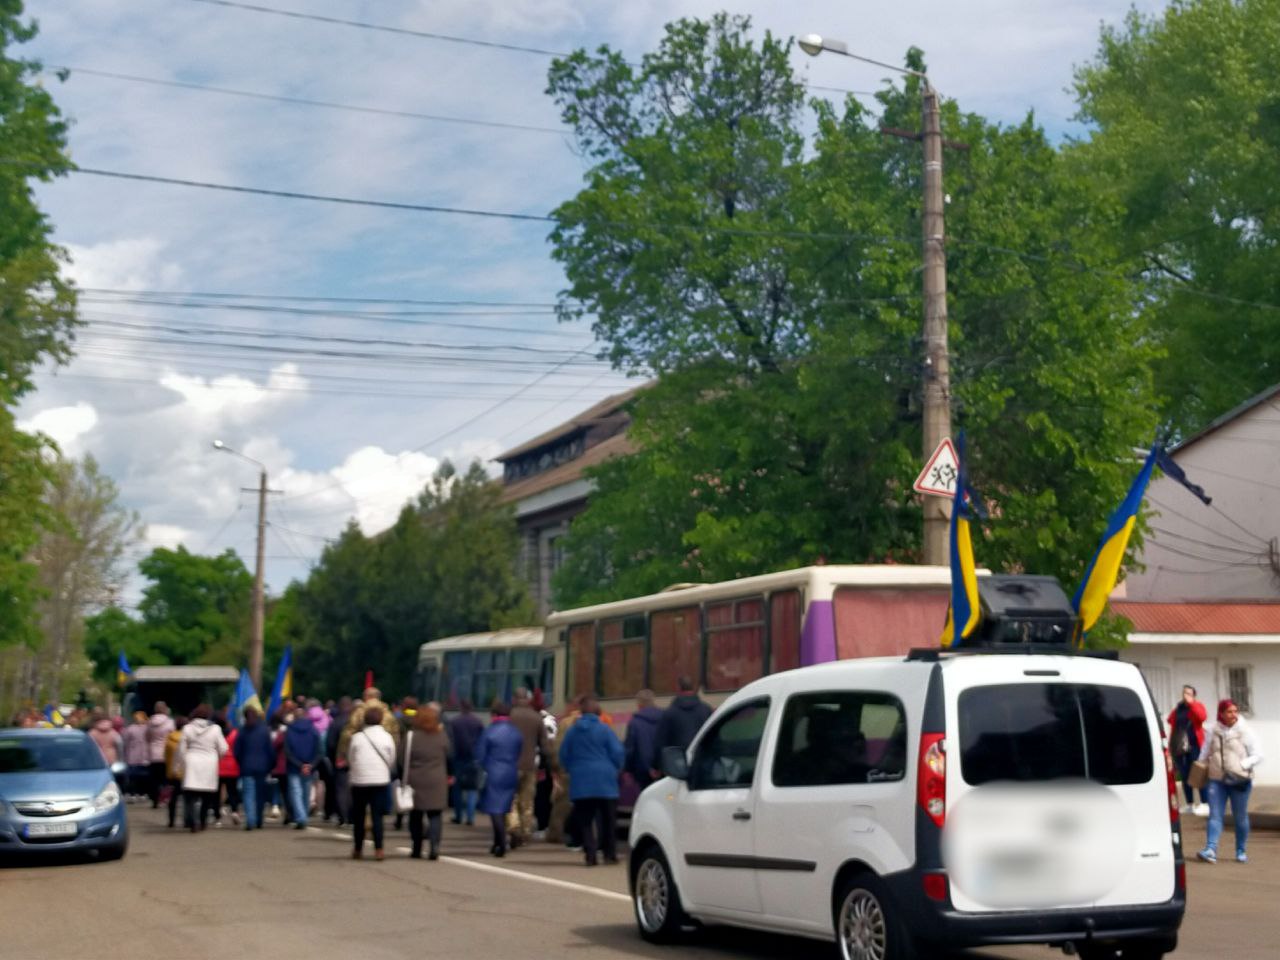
(283, 688)
(123, 671)
(965, 611)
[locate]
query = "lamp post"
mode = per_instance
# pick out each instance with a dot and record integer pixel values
(259, 602)
(936, 361)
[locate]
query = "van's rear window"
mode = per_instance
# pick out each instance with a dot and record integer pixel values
(1030, 732)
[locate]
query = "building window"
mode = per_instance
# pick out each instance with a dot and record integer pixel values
(1240, 687)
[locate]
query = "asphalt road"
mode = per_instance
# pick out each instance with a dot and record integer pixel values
(228, 894)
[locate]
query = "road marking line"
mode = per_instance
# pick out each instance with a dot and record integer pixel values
(534, 878)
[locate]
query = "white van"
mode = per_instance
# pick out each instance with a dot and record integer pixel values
(903, 807)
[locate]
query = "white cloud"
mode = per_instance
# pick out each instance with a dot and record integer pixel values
(65, 425)
(126, 264)
(235, 395)
(166, 535)
(370, 484)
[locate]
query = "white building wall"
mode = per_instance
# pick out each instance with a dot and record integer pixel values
(1227, 551)
(1171, 660)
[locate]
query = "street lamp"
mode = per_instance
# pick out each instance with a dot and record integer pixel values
(936, 368)
(259, 601)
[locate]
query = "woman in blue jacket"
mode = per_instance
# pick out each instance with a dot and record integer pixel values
(592, 755)
(498, 755)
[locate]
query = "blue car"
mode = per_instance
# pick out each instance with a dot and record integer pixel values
(58, 795)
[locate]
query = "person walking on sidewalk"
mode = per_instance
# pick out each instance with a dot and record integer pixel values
(520, 822)
(1186, 737)
(593, 757)
(1232, 751)
(371, 755)
(424, 766)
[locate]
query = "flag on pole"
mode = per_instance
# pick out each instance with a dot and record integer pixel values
(284, 682)
(965, 611)
(368, 679)
(1104, 569)
(245, 696)
(53, 716)
(123, 671)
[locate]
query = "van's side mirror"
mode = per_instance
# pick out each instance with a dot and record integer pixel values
(674, 764)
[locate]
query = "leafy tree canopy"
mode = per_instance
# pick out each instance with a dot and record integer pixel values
(1187, 151)
(774, 286)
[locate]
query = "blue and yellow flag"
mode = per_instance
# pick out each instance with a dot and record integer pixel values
(1104, 569)
(53, 716)
(123, 671)
(244, 696)
(284, 683)
(965, 611)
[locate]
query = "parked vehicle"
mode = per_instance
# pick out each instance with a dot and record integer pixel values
(57, 794)
(1013, 792)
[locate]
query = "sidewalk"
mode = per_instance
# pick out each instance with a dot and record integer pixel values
(1264, 808)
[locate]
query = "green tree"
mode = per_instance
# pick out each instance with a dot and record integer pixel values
(37, 312)
(196, 609)
(1185, 148)
(774, 289)
(79, 570)
(447, 566)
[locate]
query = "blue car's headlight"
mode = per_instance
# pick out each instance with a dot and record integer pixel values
(108, 799)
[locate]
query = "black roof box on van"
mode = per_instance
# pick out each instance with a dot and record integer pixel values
(1021, 613)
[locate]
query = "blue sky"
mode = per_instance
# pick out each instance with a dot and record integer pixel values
(356, 437)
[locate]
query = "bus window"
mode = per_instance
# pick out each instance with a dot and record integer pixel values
(622, 657)
(455, 683)
(675, 648)
(582, 660)
(524, 670)
(881, 622)
(735, 643)
(547, 677)
(491, 680)
(428, 681)
(784, 630)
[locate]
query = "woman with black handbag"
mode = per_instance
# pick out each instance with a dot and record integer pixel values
(1231, 751)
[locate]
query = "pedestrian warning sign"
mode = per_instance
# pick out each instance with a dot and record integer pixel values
(938, 478)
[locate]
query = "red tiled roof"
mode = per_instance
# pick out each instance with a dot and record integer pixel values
(1210, 618)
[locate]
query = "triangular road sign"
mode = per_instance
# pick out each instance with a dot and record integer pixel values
(938, 478)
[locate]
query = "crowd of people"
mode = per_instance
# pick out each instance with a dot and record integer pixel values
(536, 777)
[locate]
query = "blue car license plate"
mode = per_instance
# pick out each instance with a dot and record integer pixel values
(50, 830)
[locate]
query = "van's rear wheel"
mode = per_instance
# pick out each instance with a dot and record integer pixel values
(659, 914)
(867, 927)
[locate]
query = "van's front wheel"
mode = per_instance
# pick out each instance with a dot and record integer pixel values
(656, 899)
(867, 928)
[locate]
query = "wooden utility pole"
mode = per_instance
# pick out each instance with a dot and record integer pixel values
(936, 371)
(259, 602)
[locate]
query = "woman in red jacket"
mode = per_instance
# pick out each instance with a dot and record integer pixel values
(1186, 737)
(229, 780)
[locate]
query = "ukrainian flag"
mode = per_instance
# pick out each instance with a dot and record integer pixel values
(965, 612)
(53, 716)
(123, 671)
(245, 696)
(284, 683)
(1104, 569)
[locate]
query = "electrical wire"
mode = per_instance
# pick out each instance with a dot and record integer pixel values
(1195, 523)
(304, 101)
(316, 298)
(1206, 543)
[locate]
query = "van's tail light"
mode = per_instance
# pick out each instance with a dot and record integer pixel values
(1173, 786)
(932, 782)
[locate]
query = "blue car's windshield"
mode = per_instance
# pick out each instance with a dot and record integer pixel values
(19, 754)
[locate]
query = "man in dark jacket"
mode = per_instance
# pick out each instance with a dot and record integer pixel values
(681, 721)
(336, 797)
(302, 753)
(520, 821)
(464, 731)
(256, 757)
(642, 738)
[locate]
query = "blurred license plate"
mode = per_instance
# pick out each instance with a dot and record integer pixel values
(51, 829)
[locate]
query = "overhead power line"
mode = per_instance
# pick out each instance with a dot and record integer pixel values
(317, 298)
(306, 101)
(429, 35)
